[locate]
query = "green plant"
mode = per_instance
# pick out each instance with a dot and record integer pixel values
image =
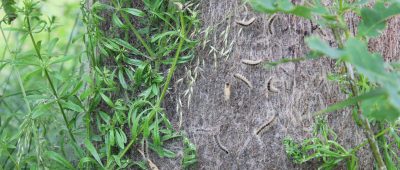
(40, 108)
(322, 146)
(381, 100)
(111, 109)
(189, 154)
(127, 87)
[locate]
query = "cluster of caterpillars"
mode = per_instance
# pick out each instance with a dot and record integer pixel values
(270, 87)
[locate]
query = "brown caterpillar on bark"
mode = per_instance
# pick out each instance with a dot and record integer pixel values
(266, 124)
(227, 91)
(244, 79)
(252, 62)
(246, 23)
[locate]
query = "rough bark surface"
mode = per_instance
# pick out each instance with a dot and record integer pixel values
(225, 131)
(214, 124)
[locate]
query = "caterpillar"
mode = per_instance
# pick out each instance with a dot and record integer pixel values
(270, 20)
(227, 91)
(223, 148)
(252, 62)
(246, 23)
(265, 125)
(244, 79)
(270, 86)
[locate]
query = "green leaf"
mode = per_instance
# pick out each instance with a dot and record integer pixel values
(111, 135)
(351, 101)
(117, 160)
(77, 87)
(316, 44)
(107, 100)
(189, 153)
(93, 151)
(374, 20)
(379, 108)
(127, 46)
(156, 133)
(122, 79)
(100, 6)
(165, 34)
(110, 45)
(181, 60)
(162, 152)
(134, 62)
(62, 59)
(10, 10)
(135, 130)
(72, 106)
(285, 6)
(371, 65)
(106, 118)
(120, 140)
(85, 160)
(59, 159)
(146, 93)
(155, 90)
(134, 12)
(139, 73)
(116, 21)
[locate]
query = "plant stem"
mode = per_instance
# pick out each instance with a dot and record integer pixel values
(173, 67)
(366, 142)
(49, 79)
(134, 30)
(366, 125)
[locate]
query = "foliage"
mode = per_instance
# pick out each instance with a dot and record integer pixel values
(374, 88)
(128, 82)
(40, 106)
(10, 10)
(322, 146)
(105, 97)
(189, 154)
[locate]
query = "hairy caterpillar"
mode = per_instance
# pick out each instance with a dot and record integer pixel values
(227, 91)
(244, 79)
(216, 137)
(252, 62)
(265, 125)
(246, 23)
(270, 20)
(271, 87)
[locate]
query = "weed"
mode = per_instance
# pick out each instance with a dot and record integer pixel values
(131, 88)
(322, 146)
(42, 98)
(110, 106)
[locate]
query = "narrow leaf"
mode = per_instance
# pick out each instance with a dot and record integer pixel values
(351, 101)
(59, 159)
(107, 100)
(134, 12)
(92, 150)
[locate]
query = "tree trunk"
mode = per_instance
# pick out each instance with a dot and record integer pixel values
(227, 132)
